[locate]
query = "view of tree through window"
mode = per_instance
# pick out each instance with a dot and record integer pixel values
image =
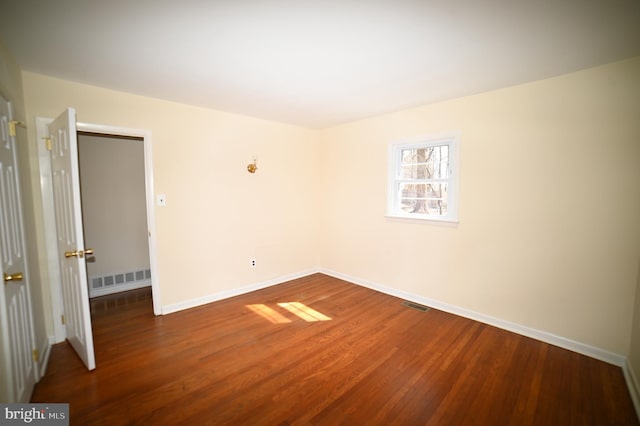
(423, 181)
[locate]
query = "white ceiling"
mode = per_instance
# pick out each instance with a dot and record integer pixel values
(315, 63)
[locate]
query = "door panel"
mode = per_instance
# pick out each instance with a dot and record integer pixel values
(68, 212)
(16, 328)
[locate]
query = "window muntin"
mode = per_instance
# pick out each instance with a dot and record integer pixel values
(423, 180)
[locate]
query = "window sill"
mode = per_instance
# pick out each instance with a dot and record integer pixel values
(450, 223)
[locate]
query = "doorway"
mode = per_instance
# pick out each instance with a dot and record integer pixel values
(144, 137)
(114, 212)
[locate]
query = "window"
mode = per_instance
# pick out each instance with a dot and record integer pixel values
(423, 179)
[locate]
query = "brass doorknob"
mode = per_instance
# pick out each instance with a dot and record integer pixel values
(13, 277)
(74, 253)
(78, 253)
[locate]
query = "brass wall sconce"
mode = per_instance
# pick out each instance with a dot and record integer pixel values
(252, 167)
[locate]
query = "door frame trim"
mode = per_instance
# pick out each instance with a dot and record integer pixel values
(49, 221)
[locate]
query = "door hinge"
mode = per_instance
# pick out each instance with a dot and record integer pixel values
(36, 355)
(62, 317)
(12, 126)
(47, 143)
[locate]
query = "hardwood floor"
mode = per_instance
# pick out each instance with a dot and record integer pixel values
(374, 362)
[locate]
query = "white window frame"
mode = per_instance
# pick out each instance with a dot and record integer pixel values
(394, 177)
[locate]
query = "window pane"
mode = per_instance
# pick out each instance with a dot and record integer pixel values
(425, 163)
(423, 198)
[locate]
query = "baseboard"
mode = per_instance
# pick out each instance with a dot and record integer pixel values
(633, 384)
(119, 288)
(572, 345)
(168, 309)
(543, 336)
(44, 353)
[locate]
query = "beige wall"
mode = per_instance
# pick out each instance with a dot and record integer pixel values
(218, 215)
(11, 82)
(114, 204)
(549, 235)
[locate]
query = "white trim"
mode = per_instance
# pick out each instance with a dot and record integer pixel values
(149, 193)
(46, 190)
(633, 384)
(543, 336)
(118, 288)
(192, 303)
(447, 223)
(45, 352)
(452, 139)
(572, 345)
(47, 199)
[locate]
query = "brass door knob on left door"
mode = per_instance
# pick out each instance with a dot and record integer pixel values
(13, 277)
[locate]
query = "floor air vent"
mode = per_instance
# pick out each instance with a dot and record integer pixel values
(416, 306)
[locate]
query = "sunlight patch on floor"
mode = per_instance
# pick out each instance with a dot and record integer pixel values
(269, 314)
(300, 310)
(304, 312)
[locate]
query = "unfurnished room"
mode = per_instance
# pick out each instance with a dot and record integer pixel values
(320, 213)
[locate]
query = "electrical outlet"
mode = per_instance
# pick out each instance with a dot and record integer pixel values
(252, 263)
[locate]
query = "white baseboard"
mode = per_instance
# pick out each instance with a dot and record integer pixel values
(168, 309)
(633, 384)
(118, 288)
(543, 336)
(45, 351)
(572, 345)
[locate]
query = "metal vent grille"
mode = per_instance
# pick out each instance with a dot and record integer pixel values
(120, 278)
(416, 306)
(97, 282)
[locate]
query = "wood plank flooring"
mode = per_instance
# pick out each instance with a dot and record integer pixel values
(375, 362)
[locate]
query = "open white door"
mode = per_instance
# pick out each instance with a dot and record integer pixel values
(68, 214)
(17, 356)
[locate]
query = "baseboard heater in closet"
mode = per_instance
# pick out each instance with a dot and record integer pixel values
(113, 283)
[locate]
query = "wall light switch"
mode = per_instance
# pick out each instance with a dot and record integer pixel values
(162, 199)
